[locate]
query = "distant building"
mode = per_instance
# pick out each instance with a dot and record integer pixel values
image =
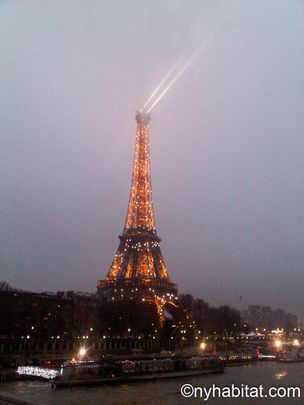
(263, 317)
(46, 322)
(291, 319)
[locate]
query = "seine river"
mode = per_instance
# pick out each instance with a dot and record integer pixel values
(270, 374)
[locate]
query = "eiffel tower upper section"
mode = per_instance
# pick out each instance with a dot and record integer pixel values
(140, 214)
(138, 269)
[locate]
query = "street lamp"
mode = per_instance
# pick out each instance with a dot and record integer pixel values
(82, 352)
(278, 344)
(203, 346)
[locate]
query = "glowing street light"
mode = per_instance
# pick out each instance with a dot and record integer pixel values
(278, 344)
(296, 342)
(82, 351)
(203, 346)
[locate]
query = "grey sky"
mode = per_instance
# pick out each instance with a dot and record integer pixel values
(226, 142)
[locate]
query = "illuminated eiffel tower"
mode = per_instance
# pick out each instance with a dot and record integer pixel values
(138, 271)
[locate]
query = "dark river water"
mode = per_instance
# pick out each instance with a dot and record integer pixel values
(270, 374)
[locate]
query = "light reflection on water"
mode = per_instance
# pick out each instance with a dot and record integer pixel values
(168, 391)
(281, 374)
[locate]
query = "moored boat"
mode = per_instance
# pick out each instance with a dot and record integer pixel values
(237, 358)
(267, 354)
(291, 356)
(267, 357)
(125, 371)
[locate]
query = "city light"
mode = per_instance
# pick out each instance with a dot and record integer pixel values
(277, 331)
(203, 346)
(37, 372)
(296, 342)
(278, 344)
(82, 352)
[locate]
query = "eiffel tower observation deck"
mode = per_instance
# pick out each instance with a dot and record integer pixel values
(138, 270)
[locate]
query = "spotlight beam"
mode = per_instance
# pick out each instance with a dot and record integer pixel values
(173, 68)
(178, 74)
(159, 92)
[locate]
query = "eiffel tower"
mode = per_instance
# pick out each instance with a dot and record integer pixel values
(138, 271)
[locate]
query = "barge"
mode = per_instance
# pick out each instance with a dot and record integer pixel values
(88, 372)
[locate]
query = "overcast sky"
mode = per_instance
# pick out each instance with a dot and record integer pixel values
(227, 143)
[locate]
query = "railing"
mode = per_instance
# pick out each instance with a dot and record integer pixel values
(7, 398)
